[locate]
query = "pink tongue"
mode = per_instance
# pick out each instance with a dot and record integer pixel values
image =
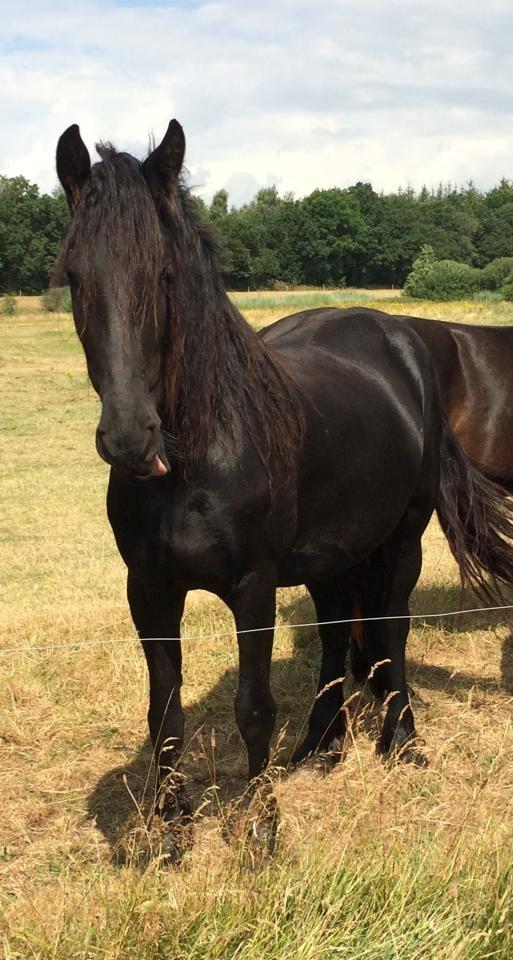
(158, 469)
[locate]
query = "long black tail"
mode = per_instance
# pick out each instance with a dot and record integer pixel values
(476, 516)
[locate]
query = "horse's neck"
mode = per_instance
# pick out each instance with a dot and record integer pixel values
(223, 381)
(215, 322)
(209, 362)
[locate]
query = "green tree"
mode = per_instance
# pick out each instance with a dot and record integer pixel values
(495, 236)
(219, 206)
(332, 236)
(31, 227)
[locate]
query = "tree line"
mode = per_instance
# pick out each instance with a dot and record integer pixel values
(354, 236)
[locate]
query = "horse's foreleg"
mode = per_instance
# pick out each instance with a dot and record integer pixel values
(157, 616)
(253, 606)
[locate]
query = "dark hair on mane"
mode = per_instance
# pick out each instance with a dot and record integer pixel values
(216, 369)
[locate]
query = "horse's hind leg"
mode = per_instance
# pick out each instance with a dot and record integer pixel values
(326, 725)
(369, 652)
(402, 558)
(157, 616)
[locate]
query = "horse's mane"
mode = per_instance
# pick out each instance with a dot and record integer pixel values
(217, 370)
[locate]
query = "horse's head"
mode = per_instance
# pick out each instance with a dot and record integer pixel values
(114, 256)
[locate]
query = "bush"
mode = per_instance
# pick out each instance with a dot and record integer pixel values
(487, 296)
(57, 300)
(432, 279)
(422, 267)
(495, 274)
(8, 305)
(507, 288)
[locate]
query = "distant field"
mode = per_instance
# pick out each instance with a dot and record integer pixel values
(284, 300)
(374, 862)
(265, 307)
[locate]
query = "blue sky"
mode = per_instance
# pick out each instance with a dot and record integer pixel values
(150, 3)
(290, 92)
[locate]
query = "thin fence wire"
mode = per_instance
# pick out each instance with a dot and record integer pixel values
(230, 633)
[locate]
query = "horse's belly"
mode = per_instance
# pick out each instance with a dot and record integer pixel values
(329, 553)
(351, 509)
(315, 561)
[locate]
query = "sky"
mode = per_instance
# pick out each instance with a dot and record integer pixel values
(296, 93)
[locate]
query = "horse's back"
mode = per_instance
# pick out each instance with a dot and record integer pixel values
(354, 345)
(350, 333)
(315, 324)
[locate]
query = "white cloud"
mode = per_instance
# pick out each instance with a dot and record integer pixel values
(303, 94)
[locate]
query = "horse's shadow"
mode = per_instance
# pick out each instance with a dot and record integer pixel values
(446, 600)
(214, 753)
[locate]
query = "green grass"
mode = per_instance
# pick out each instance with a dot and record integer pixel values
(374, 862)
(286, 302)
(308, 910)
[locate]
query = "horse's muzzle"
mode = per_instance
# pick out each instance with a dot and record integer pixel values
(140, 461)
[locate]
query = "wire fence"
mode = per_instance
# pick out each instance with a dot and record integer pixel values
(229, 633)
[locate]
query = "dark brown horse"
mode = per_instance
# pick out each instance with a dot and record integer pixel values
(475, 369)
(474, 365)
(314, 454)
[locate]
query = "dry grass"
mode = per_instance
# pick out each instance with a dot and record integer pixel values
(374, 861)
(263, 308)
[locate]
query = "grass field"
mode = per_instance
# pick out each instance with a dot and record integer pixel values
(375, 862)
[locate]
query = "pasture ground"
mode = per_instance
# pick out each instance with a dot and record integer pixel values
(375, 862)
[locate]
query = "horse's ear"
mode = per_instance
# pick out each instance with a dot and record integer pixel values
(165, 162)
(73, 164)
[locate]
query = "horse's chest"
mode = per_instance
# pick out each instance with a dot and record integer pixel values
(182, 540)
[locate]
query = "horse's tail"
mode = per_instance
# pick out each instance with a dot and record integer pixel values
(476, 516)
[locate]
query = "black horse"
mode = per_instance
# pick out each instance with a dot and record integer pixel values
(314, 454)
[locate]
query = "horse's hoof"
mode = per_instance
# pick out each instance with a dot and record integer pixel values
(157, 841)
(171, 828)
(261, 831)
(406, 750)
(411, 753)
(253, 822)
(172, 840)
(327, 754)
(301, 753)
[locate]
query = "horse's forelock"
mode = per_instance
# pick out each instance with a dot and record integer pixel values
(117, 206)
